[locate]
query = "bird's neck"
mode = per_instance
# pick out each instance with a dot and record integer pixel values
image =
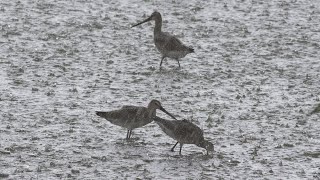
(158, 25)
(151, 111)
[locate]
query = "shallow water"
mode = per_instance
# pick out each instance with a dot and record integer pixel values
(251, 85)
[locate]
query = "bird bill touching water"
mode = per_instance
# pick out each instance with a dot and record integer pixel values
(184, 132)
(132, 117)
(168, 45)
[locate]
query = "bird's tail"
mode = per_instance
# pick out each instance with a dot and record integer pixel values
(191, 50)
(316, 110)
(101, 114)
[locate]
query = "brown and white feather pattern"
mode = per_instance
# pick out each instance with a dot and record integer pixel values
(132, 117)
(182, 131)
(170, 46)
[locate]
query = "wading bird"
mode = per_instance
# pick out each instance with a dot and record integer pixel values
(184, 132)
(168, 45)
(132, 117)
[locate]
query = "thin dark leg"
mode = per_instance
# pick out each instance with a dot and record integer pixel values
(161, 61)
(178, 62)
(130, 131)
(128, 134)
(180, 148)
(172, 149)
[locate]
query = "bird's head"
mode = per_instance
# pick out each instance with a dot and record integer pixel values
(154, 16)
(155, 104)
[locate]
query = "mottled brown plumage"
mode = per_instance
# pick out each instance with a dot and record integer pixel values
(168, 45)
(132, 117)
(185, 132)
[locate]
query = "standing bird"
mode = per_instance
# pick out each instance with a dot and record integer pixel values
(132, 117)
(168, 45)
(184, 132)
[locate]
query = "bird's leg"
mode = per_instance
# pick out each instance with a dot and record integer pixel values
(180, 148)
(130, 131)
(178, 62)
(127, 134)
(172, 149)
(161, 61)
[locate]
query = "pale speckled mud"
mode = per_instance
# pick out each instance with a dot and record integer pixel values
(251, 85)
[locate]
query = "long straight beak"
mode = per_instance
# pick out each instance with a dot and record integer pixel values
(162, 109)
(149, 19)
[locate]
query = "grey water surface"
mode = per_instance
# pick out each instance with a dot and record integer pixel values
(250, 85)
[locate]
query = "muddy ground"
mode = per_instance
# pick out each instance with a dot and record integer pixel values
(250, 85)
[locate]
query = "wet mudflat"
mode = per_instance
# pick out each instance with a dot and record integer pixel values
(251, 85)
